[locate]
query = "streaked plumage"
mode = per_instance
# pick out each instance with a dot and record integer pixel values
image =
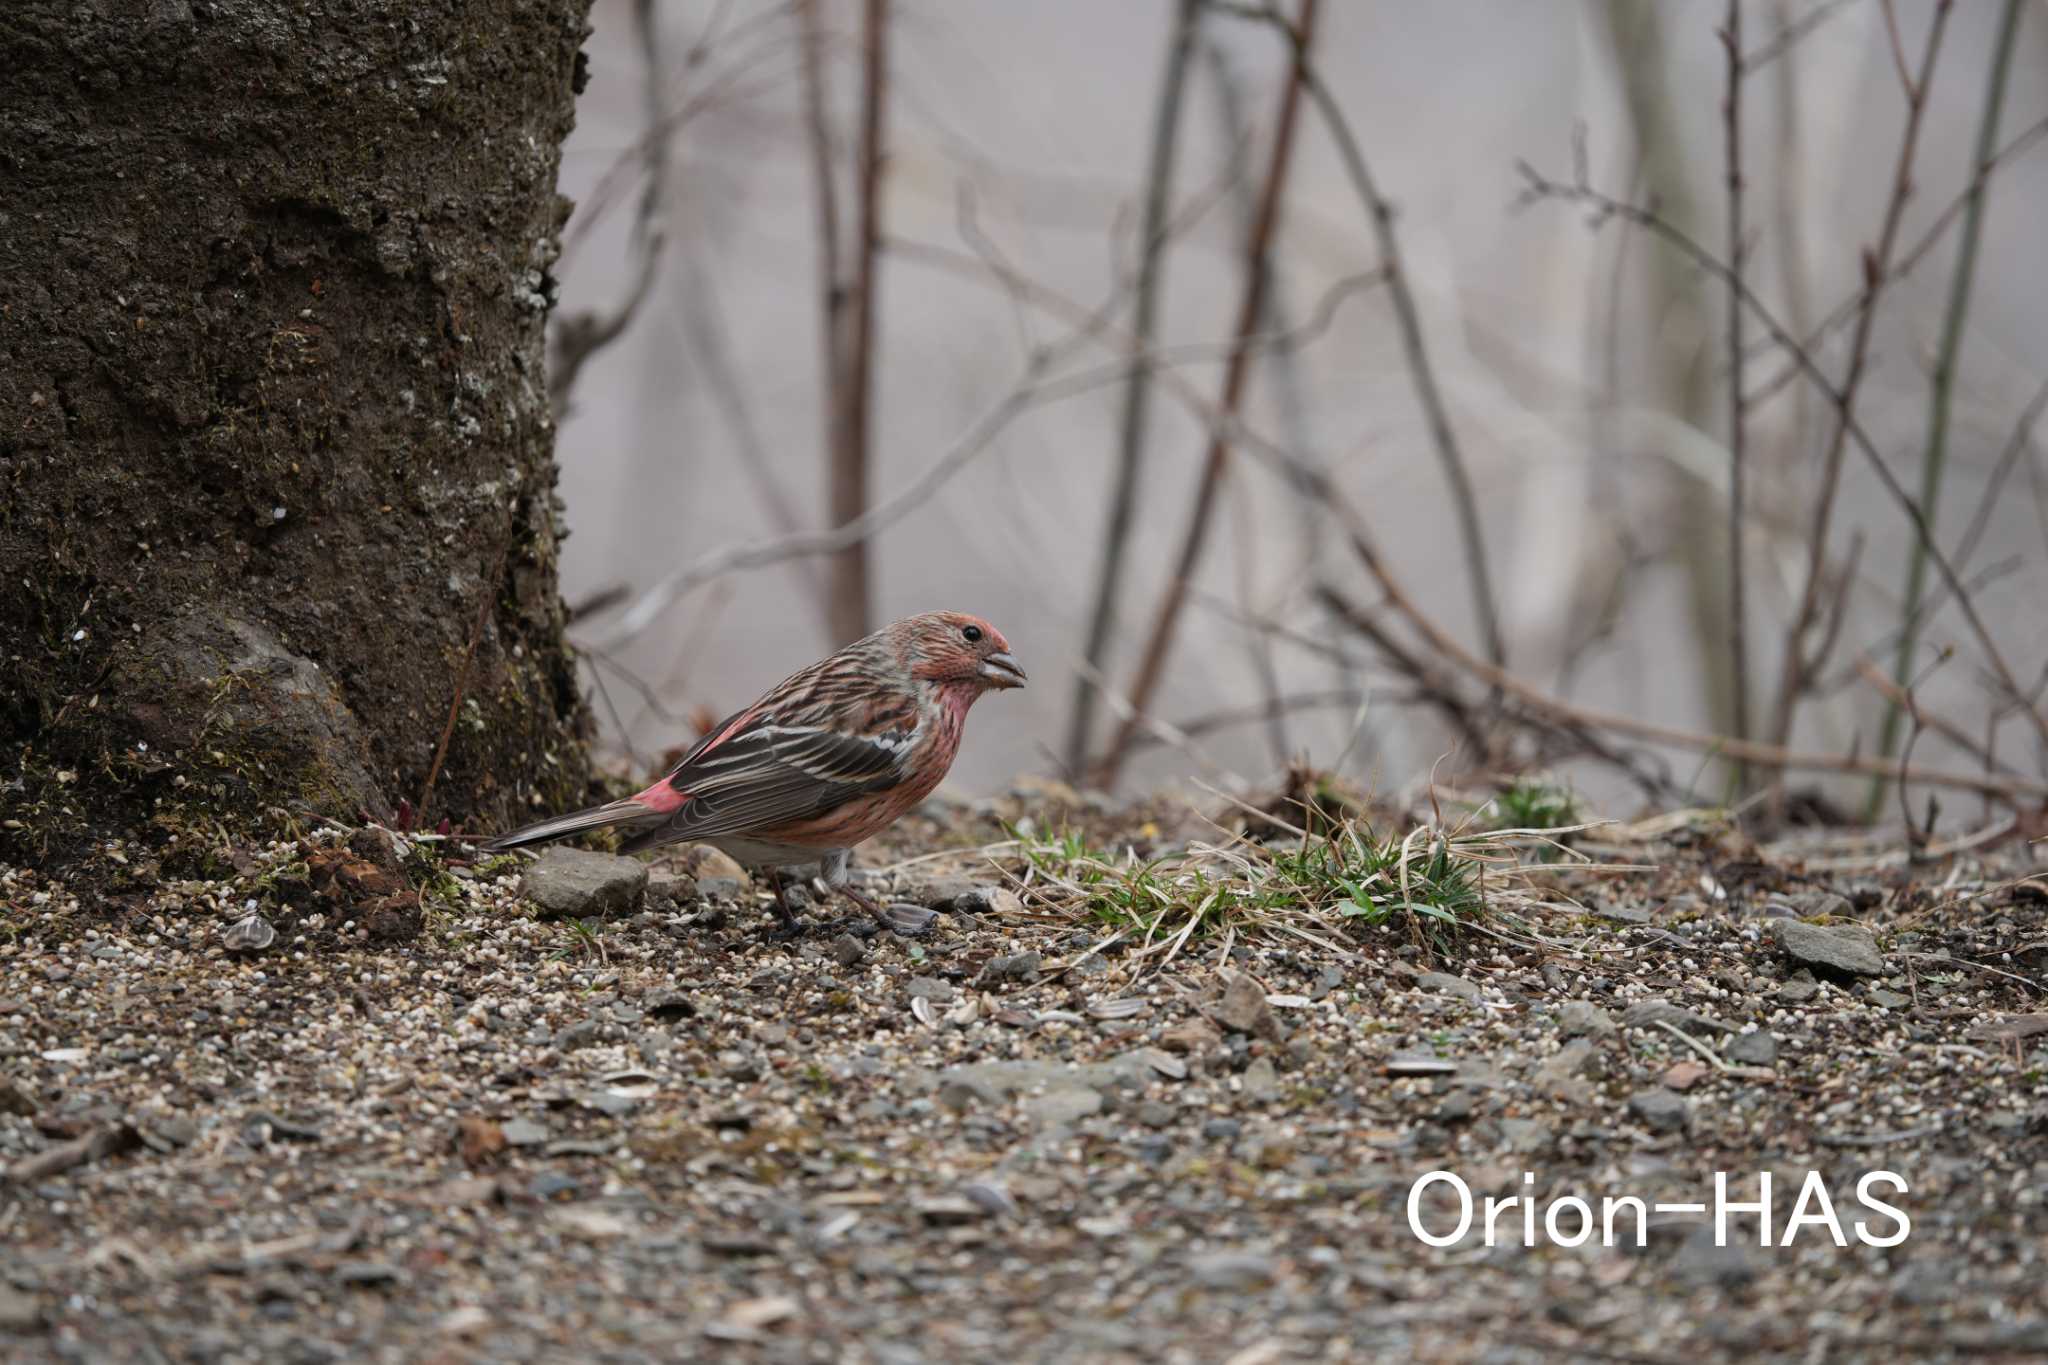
(830, 756)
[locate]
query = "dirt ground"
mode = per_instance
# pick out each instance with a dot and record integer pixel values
(427, 1122)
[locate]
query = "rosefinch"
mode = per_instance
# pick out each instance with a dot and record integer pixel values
(830, 756)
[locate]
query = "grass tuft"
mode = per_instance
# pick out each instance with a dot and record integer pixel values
(1345, 882)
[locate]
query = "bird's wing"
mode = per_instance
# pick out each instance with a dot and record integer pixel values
(761, 776)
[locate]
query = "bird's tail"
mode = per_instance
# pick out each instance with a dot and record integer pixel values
(623, 812)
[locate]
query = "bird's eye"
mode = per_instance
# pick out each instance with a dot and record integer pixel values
(971, 634)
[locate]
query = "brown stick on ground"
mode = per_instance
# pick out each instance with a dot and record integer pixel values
(1250, 306)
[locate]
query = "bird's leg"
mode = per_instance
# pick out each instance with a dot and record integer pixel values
(791, 925)
(862, 899)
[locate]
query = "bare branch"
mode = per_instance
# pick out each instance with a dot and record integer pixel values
(1934, 463)
(851, 599)
(583, 335)
(1409, 321)
(1152, 662)
(1788, 37)
(1798, 666)
(1123, 499)
(1538, 188)
(1738, 511)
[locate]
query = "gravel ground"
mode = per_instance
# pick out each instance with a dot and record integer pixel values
(426, 1122)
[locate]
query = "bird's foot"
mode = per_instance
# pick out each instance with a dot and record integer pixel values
(899, 918)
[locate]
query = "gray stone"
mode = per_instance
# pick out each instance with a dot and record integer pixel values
(1891, 1000)
(1700, 1264)
(1575, 1059)
(580, 1034)
(1015, 967)
(1445, 984)
(719, 888)
(1062, 1106)
(1660, 1111)
(523, 1133)
(1153, 1114)
(1651, 1013)
(1239, 1271)
(574, 883)
(1261, 1081)
(1800, 990)
(1844, 950)
(962, 1093)
(1753, 1049)
(1581, 1018)
(931, 988)
(19, 1312)
(670, 892)
(1243, 1008)
(847, 950)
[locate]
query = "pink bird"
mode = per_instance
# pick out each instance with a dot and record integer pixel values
(830, 756)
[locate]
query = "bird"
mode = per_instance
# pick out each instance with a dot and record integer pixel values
(832, 755)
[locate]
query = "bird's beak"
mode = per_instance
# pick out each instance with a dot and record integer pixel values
(1000, 670)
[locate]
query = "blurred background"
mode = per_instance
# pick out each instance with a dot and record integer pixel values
(1580, 359)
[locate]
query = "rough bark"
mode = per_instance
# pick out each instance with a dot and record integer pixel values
(276, 470)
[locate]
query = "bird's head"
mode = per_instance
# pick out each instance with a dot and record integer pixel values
(951, 647)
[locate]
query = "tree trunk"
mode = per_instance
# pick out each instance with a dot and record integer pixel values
(276, 458)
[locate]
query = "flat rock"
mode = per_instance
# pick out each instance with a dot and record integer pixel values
(669, 892)
(1582, 1019)
(19, 1312)
(1752, 1049)
(574, 883)
(1243, 1008)
(523, 1133)
(1445, 984)
(1651, 1013)
(1660, 1111)
(1242, 1271)
(1195, 1038)
(1013, 967)
(1062, 1105)
(1844, 950)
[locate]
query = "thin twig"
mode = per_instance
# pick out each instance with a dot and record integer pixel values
(1738, 622)
(1159, 643)
(832, 286)
(702, 318)
(1123, 499)
(1409, 321)
(1649, 219)
(2020, 143)
(1799, 665)
(1750, 751)
(580, 336)
(1789, 36)
(1935, 463)
(851, 599)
